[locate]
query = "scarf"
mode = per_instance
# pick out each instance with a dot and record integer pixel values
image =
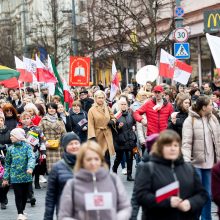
(52, 118)
(70, 159)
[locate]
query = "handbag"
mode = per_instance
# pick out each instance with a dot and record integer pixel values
(53, 144)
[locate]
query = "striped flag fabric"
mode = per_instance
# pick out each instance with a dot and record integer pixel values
(172, 68)
(115, 82)
(167, 191)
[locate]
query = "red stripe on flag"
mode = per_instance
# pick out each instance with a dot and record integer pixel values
(167, 195)
(166, 70)
(183, 66)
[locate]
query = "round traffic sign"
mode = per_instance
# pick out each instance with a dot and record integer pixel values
(179, 11)
(180, 35)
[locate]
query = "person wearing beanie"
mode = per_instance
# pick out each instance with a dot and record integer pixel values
(19, 176)
(60, 173)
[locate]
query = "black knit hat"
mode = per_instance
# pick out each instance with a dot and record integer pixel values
(66, 138)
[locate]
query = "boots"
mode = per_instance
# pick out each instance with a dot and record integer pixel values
(129, 178)
(36, 182)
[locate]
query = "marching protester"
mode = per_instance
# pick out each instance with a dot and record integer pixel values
(62, 114)
(5, 142)
(53, 128)
(79, 121)
(94, 193)
(124, 138)
(177, 118)
(85, 101)
(11, 116)
(201, 143)
(19, 165)
(100, 118)
(215, 186)
(32, 109)
(60, 173)
(166, 187)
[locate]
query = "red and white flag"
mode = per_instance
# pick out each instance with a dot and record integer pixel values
(115, 82)
(172, 68)
(214, 44)
(25, 76)
(43, 74)
(31, 68)
(66, 93)
(167, 191)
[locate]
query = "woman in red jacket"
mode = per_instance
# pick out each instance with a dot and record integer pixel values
(216, 186)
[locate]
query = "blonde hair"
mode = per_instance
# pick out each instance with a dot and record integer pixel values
(31, 106)
(25, 114)
(98, 93)
(93, 146)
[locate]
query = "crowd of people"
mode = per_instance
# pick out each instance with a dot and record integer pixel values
(172, 133)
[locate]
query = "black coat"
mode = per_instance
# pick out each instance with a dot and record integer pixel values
(58, 177)
(125, 138)
(180, 118)
(68, 124)
(11, 123)
(76, 127)
(86, 104)
(147, 182)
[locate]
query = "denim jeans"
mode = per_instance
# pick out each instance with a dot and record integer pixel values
(205, 176)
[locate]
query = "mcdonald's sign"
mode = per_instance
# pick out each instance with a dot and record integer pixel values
(212, 21)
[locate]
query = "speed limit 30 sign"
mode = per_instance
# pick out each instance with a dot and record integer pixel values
(180, 35)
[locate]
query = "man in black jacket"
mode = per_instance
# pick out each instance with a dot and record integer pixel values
(85, 101)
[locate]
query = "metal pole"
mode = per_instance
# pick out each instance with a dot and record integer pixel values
(199, 62)
(74, 38)
(24, 29)
(178, 20)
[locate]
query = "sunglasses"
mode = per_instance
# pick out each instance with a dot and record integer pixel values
(8, 110)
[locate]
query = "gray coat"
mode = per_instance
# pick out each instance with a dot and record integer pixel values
(194, 136)
(83, 183)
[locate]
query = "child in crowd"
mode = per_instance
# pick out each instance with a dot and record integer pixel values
(19, 165)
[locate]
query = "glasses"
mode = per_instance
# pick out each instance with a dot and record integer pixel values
(8, 110)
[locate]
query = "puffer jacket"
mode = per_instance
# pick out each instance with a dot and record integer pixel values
(160, 173)
(60, 173)
(125, 138)
(193, 138)
(157, 120)
(72, 204)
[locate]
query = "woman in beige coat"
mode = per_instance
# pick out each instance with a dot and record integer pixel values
(100, 118)
(201, 143)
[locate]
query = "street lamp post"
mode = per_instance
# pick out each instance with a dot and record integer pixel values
(74, 38)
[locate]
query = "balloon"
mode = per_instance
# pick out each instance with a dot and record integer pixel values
(147, 73)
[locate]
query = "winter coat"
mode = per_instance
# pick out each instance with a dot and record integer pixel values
(193, 138)
(86, 104)
(78, 124)
(11, 123)
(216, 186)
(125, 138)
(5, 136)
(98, 127)
(157, 120)
(180, 118)
(60, 173)
(52, 131)
(134, 203)
(163, 172)
(72, 204)
(19, 159)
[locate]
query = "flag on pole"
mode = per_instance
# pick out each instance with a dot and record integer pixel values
(214, 44)
(172, 68)
(167, 191)
(61, 88)
(43, 75)
(30, 66)
(25, 76)
(115, 82)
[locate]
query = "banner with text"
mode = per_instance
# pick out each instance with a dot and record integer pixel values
(79, 71)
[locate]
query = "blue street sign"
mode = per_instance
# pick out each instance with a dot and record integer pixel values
(182, 50)
(179, 11)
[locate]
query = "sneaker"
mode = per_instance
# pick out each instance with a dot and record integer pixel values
(42, 179)
(21, 217)
(124, 171)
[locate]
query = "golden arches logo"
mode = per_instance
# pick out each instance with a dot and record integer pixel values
(214, 18)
